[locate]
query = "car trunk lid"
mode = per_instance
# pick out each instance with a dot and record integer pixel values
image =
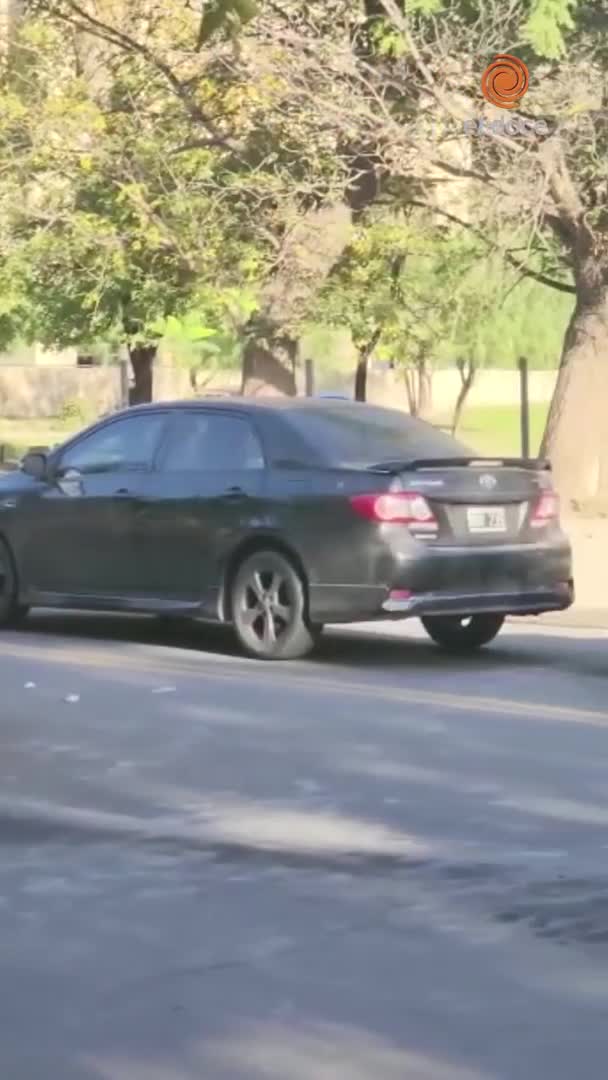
(475, 500)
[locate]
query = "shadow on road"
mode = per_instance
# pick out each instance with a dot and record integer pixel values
(270, 880)
(347, 646)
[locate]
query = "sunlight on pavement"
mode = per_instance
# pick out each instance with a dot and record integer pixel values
(222, 820)
(280, 827)
(331, 1052)
(303, 1052)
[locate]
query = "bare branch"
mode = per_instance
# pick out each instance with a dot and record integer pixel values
(543, 279)
(83, 20)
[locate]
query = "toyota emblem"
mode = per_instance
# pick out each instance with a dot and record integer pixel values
(487, 481)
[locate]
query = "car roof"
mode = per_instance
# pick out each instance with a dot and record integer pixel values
(245, 404)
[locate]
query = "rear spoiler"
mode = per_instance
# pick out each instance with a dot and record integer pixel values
(414, 464)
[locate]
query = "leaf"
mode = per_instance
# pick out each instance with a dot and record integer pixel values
(221, 14)
(546, 26)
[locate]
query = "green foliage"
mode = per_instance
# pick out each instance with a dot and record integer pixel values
(493, 316)
(107, 226)
(547, 24)
(526, 319)
(387, 41)
(227, 15)
(195, 345)
(153, 208)
(543, 24)
(450, 301)
(361, 292)
(208, 338)
(407, 285)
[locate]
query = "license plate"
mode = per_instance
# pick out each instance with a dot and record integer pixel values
(486, 519)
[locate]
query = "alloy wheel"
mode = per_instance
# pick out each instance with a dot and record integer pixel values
(269, 607)
(267, 610)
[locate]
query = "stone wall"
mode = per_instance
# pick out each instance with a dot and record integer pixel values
(32, 392)
(29, 392)
(492, 387)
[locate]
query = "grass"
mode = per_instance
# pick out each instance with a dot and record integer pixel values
(19, 435)
(488, 429)
(495, 429)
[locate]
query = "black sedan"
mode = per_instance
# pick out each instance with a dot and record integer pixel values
(278, 517)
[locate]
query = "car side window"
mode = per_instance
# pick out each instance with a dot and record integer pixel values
(207, 442)
(120, 446)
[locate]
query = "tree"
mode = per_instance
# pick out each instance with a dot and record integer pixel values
(415, 293)
(232, 92)
(398, 87)
(208, 339)
(555, 178)
(342, 105)
(110, 221)
(363, 290)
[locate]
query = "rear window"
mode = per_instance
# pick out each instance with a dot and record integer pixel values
(363, 435)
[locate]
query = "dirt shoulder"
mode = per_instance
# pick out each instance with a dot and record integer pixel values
(589, 538)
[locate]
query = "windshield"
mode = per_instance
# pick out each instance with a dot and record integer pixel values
(361, 435)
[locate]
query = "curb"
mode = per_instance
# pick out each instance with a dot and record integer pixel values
(575, 619)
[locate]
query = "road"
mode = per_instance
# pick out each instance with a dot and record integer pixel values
(379, 864)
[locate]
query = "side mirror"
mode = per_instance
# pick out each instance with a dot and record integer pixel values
(69, 481)
(35, 464)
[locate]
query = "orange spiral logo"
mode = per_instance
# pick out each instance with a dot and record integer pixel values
(505, 81)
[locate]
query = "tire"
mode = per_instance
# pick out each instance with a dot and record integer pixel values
(11, 611)
(268, 606)
(462, 633)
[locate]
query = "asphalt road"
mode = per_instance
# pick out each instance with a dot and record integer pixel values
(380, 864)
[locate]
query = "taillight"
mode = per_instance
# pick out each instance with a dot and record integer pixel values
(545, 510)
(396, 507)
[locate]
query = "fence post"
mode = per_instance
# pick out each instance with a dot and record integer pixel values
(309, 377)
(123, 361)
(524, 401)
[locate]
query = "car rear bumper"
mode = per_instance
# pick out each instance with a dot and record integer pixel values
(524, 579)
(514, 602)
(508, 569)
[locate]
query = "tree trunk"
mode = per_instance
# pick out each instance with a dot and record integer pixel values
(410, 389)
(425, 388)
(142, 362)
(418, 386)
(361, 376)
(361, 370)
(576, 436)
(467, 372)
(269, 364)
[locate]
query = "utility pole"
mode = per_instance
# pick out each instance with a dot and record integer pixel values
(123, 363)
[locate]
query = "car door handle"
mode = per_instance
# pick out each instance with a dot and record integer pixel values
(234, 493)
(122, 493)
